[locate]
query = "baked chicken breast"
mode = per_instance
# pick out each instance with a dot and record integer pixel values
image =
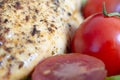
(31, 30)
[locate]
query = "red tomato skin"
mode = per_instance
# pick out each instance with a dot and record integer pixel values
(95, 6)
(99, 36)
(70, 67)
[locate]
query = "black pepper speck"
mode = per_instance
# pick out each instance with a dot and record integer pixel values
(34, 30)
(27, 18)
(69, 14)
(18, 5)
(6, 20)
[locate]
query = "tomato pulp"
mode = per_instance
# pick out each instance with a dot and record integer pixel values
(70, 67)
(99, 36)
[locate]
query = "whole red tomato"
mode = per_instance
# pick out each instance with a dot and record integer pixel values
(95, 6)
(99, 36)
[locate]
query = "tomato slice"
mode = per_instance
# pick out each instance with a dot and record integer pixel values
(70, 67)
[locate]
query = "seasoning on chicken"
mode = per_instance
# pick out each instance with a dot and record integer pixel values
(31, 30)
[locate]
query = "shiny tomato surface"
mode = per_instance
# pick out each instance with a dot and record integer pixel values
(95, 6)
(70, 67)
(99, 36)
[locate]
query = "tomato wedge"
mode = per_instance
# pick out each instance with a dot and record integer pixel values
(70, 67)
